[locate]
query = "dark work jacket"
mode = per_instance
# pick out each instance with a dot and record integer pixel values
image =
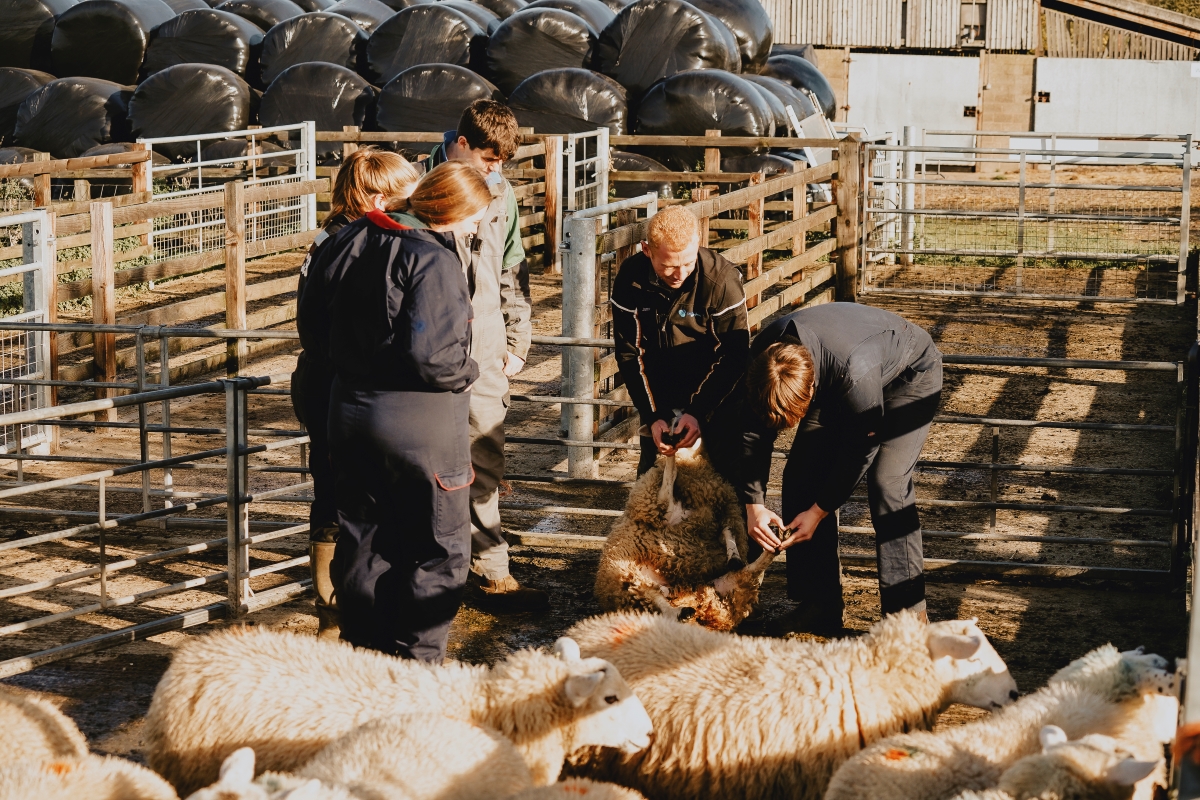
(313, 368)
(680, 348)
(393, 312)
(857, 351)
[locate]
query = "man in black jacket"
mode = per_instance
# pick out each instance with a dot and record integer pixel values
(863, 384)
(682, 338)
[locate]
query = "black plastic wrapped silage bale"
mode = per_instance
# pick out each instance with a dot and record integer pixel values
(321, 36)
(26, 31)
(180, 6)
(636, 162)
(538, 39)
(431, 98)
(331, 96)
(570, 101)
(503, 8)
(105, 39)
(617, 6)
(692, 102)
(205, 36)
(803, 75)
(187, 99)
(778, 112)
(400, 5)
(15, 85)
(369, 14)
(787, 95)
(733, 59)
(313, 6)
(594, 13)
(426, 34)
(483, 17)
(751, 27)
(70, 115)
(263, 13)
(654, 39)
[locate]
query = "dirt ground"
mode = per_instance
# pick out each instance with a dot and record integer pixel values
(1036, 626)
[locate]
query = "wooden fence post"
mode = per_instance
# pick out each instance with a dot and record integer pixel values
(700, 194)
(347, 147)
(755, 210)
(41, 184)
(712, 155)
(235, 273)
(552, 208)
(848, 178)
(799, 212)
(139, 173)
(104, 303)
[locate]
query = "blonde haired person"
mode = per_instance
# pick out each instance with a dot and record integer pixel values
(399, 336)
(863, 385)
(368, 180)
(682, 338)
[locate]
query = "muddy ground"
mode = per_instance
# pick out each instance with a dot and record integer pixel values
(1037, 626)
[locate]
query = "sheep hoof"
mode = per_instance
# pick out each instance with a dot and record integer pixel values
(736, 564)
(686, 613)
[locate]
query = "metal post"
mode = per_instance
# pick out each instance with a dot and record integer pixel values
(103, 552)
(237, 512)
(143, 436)
(1050, 201)
(164, 380)
(908, 170)
(1021, 228)
(1185, 208)
(579, 320)
(39, 293)
(995, 474)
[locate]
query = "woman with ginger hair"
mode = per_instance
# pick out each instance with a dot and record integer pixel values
(367, 181)
(399, 337)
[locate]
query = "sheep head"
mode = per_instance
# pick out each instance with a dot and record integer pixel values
(968, 665)
(1121, 676)
(1095, 766)
(608, 713)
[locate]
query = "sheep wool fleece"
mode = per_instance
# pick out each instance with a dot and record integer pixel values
(34, 729)
(90, 777)
(739, 717)
(925, 766)
(289, 696)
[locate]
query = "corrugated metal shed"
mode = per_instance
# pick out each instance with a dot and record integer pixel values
(1068, 36)
(1012, 25)
(933, 23)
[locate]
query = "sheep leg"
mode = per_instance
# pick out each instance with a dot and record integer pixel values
(647, 586)
(731, 551)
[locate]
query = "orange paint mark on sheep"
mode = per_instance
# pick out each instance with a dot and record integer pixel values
(59, 768)
(896, 754)
(618, 634)
(574, 789)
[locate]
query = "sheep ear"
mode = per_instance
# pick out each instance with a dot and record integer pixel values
(955, 645)
(309, 790)
(1129, 771)
(566, 649)
(579, 688)
(238, 768)
(1051, 735)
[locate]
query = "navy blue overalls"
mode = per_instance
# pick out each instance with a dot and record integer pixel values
(399, 333)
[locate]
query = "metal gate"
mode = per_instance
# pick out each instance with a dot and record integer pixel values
(585, 169)
(26, 284)
(1039, 223)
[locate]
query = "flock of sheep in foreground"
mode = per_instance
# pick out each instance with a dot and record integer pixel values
(651, 705)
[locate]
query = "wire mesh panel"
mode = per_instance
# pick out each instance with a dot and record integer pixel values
(1055, 223)
(26, 261)
(205, 163)
(585, 157)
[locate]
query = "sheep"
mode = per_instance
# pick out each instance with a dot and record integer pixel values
(288, 696)
(1095, 767)
(236, 781)
(579, 789)
(680, 547)
(89, 776)
(744, 717)
(33, 728)
(1103, 692)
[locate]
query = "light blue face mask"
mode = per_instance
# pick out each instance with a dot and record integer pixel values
(494, 178)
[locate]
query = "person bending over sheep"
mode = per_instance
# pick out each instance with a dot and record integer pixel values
(863, 385)
(682, 338)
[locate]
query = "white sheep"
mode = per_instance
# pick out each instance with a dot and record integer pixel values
(680, 547)
(579, 789)
(288, 696)
(1095, 767)
(1102, 693)
(33, 728)
(236, 781)
(744, 717)
(91, 777)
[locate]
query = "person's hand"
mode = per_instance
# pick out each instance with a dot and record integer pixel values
(804, 525)
(512, 365)
(759, 519)
(689, 428)
(657, 430)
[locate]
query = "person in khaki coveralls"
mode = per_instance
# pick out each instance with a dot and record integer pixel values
(486, 137)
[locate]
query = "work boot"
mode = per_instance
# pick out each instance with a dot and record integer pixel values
(506, 596)
(819, 619)
(329, 621)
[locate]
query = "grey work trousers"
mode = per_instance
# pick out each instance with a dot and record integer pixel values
(813, 567)
(489, 550)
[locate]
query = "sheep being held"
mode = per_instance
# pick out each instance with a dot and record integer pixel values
(680, 547)
(1102, 693)
(740, 717)
(288, 696)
